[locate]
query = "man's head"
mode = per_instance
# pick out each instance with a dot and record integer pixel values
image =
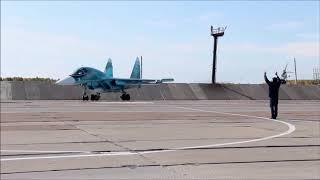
(274, 79)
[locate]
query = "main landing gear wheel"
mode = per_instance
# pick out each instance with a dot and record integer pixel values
(125, 97)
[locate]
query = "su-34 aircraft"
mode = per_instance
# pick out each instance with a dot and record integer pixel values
(104, 82)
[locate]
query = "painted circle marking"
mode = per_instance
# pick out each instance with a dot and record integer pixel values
(291, 128)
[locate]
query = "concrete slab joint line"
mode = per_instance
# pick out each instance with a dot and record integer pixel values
(198, 92)
(291, 128)
(237, 92)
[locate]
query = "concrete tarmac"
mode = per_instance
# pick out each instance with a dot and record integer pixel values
(159, 140)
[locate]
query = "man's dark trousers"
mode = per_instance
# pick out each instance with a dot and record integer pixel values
(274, 107)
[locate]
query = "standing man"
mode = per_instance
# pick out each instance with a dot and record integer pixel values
(273, 94)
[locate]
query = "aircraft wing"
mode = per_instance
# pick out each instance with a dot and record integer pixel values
(122, 81)
(113, 81)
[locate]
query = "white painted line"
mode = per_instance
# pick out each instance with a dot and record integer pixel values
(124, 153)
(138, 102)
(66, 111)
(71, 156)
(37, 151)
(291, 128)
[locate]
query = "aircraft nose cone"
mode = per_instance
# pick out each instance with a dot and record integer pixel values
(66, 81)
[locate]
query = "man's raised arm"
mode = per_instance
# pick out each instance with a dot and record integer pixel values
(266, 79)
(278, 78)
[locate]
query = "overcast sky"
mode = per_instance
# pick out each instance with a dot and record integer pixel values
(52, 39)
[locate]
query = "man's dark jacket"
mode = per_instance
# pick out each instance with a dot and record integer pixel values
(273, 87)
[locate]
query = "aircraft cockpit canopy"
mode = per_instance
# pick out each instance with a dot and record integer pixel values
(80, 72)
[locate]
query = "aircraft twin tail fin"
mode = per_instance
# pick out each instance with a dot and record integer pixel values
(109, 69)
(136, 71)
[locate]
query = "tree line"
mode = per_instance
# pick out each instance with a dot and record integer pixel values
(27, 79)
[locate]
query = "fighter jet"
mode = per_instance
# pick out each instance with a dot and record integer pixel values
(104, 82)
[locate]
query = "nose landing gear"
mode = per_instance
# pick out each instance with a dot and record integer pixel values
(95, 97)
(125, 97)
(85, 97)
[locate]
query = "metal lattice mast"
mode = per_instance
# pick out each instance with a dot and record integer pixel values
(215, 33)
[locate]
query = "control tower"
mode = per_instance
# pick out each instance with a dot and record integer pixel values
(216, 33)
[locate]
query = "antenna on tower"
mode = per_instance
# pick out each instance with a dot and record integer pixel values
(141, 68)
(218, 32)
(295, 70)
